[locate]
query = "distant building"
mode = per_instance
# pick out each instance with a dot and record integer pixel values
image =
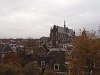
(8, 48)
(61, 35)
(44, 39)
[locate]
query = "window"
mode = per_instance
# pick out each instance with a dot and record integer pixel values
(42, 63)
(56, 66)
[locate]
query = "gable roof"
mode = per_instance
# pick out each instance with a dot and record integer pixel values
(65, 30)
(59, 58)
(71, 32)
(7, 48)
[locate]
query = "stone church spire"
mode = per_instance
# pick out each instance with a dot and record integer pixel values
(64, 24)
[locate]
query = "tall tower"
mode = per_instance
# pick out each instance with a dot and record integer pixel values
(64, 24)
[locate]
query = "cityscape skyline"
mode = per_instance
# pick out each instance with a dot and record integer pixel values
(34, 18)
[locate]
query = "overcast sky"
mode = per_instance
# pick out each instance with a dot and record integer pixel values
(34, 18)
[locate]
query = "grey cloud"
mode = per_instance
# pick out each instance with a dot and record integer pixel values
(35, 17)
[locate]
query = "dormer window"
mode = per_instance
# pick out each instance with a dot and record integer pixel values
(42, 63)
(56, 66)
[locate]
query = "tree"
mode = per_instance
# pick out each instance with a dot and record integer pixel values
(31, 69)
(12, 58)
(9, 69)
(50, 72)
(86, 48)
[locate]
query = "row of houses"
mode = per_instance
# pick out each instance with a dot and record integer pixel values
(52, 52)
(53, 58)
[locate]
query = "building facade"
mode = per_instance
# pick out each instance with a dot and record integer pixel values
(60, 36)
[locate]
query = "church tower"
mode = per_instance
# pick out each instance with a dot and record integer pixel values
(64, 24)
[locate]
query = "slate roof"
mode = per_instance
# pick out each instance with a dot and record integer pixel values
(61, 29)
(7, 48)
(45, 47)
(66, 30)
(59, 58)
(53, 53)
(71, 32)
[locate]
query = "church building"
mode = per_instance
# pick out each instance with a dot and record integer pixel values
(61, 36)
